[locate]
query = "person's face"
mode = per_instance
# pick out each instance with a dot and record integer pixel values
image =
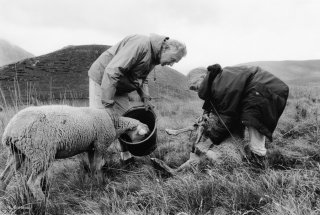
(196, 85)
(168, 58)
(196, 79)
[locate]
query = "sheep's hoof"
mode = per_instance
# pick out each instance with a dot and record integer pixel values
(171, 132)
(162, 166)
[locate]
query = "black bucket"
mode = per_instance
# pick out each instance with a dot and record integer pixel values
(149, 144)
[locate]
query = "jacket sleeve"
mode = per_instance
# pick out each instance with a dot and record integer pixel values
(218, 128)
(108, 86)
(204, 89)
(122, 62)
(143, 90)
(206, 107)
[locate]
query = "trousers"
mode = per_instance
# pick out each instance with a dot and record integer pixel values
(121, 104)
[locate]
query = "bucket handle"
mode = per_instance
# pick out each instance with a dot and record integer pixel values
(138, 107)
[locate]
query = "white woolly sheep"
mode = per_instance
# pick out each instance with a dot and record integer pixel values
(45, 133)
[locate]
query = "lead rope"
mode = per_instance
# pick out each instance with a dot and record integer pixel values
(243, 153)
(200, 131)
(155, 82)
(216, 112)
(154, 74)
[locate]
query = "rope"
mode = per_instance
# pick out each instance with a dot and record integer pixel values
(216, 112)
(154, 74)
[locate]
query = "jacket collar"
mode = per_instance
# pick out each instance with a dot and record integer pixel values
(156, 46)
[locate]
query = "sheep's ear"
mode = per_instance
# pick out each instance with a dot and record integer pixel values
(133, 128)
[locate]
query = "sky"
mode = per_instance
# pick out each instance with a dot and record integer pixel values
(228, 32)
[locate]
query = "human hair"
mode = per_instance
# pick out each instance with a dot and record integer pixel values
(176, 46)
(215, 68)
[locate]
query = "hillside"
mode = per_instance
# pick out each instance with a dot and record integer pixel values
(10, 53)
(169, 83)
(293, 72)
(63, 74)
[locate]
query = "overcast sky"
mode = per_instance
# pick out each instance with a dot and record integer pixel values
(215, 31)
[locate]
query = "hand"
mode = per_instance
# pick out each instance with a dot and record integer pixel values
(147, 103)
(203, 118)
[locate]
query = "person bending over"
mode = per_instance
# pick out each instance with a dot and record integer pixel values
(241, 96)
(124, 68)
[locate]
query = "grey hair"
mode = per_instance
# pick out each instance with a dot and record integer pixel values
(179, 47)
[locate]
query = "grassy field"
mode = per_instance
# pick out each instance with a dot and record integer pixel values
(289, 185)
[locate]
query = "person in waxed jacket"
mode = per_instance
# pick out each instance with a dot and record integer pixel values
(124, 68)
(242, 96)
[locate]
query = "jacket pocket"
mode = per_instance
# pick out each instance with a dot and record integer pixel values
(267, 106)
(261, 91)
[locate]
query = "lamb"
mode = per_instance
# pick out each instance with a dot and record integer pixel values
(231, 151)
(42, 134)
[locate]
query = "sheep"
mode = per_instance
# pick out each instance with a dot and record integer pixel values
(229, 152)
(44, 133)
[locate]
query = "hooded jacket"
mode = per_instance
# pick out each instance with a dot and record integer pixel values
(125, 66)
(243, 95)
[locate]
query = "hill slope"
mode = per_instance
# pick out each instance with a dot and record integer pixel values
(63, 74)
(10, 53)
(293, 72)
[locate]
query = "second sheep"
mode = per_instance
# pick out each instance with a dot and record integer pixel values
(39, 135)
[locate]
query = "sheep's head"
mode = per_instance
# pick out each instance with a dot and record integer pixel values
(138, 133)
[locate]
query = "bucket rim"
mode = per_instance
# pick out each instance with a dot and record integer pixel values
(153, 130)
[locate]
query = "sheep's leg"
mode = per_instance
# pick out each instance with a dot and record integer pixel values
(7, 174)
(86, 162)
(193, 161)
(39, 166)
(96, 163)
(179, 131)
(44, 184)
(34, 184)
(8, 168)
(161, 165)
(91, 161)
